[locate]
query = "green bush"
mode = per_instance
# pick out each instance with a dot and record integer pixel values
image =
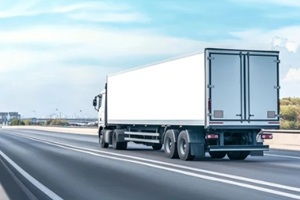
(27, 122)
(290, 112)
(16, 122)
(57, 122)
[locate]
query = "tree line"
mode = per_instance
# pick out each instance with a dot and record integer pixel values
(290, 113)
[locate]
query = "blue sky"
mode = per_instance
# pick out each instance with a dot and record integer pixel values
(56, 54)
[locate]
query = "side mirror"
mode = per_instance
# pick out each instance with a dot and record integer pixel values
(95, 102)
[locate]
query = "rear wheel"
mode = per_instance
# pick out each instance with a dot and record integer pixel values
(217, 154)
(183, 147)
(238, 155)
(156, 147)
(170, 146)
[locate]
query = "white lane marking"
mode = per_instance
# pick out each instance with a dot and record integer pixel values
(296, 189)
(88, 151)
(282, 156)
(32, 180)
(245, 185)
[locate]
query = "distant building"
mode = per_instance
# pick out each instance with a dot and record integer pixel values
(6, 117)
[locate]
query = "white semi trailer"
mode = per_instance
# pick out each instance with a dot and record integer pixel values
(218, 102)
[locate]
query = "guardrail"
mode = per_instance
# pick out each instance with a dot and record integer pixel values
(281, 131)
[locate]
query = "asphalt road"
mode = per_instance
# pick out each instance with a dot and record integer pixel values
(47, 165)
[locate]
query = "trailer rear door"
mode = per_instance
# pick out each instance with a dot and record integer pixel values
(225, 85)
(263, 87)
(243, 86)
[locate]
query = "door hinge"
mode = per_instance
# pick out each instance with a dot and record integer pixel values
(210, 86)
(210, 58)
(277, 61)
(277, 87)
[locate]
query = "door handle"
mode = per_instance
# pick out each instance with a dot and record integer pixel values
(251, 115)
(238, 115)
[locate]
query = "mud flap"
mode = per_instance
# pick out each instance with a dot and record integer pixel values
(197, 149)
(197, 143)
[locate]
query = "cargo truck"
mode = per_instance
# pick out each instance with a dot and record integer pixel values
(218, 101)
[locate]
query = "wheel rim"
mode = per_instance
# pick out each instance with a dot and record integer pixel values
(168, 144)
(182, 146)
(101, 139)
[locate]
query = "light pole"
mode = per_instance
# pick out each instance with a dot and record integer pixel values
(34, 113)
(81, 115)
(59, 113)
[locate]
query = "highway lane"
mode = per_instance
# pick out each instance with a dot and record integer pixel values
(72, 166)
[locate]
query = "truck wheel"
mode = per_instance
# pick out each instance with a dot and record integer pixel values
(102, 142)
(156, 147)
(124, 146)
(116, 145)
(217, 154)
(238, 155)
(170, 146)
(183, 147)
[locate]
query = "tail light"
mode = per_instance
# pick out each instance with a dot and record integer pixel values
(266, 136)
(209, 105)
(212, 136)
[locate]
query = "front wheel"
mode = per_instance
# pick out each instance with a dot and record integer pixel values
(103, 144)
(238, 155)
(184, 147)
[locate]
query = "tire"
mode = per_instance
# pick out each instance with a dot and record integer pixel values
(124, 146)
(238, 155)
(103, 144)
(183, 147)
(156, 147)
(217, 154)
(116, 145)
(170, 146)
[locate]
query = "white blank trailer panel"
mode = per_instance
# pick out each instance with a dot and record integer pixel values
(217, 88)
(170, 93)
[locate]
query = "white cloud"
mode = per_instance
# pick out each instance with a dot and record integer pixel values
(89, 11)
(109, 17)
(65, 43)
(288, 37)
(292, 46)
(46, 77)
(91, 6)
(21, 8)
(293, 75)
(291, 3)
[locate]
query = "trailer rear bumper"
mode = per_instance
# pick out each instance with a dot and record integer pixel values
(239, 148)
